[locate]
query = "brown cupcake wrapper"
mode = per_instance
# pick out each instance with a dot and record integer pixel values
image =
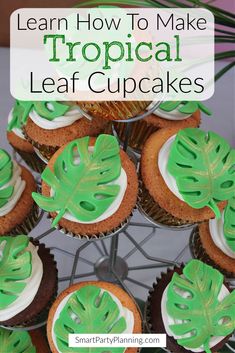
(199, 252)
(40, 318)
(91, 237)
(147, 309)
(162, 281)
(140, 132)
(46, 151)
(32, 160)
(114, 110)
(157, 215)
(29, 223)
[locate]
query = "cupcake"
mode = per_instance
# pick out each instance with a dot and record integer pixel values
(18, 212)
(26, 286)
(114, 110)
(187, 176)
(178, 115)
(194, 307)
(16, 120)
(53, 124)
(91, 307)
(214, 241)
(23, 341)
(89, 187)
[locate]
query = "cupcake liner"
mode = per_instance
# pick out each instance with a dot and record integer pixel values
(93, 237)
(162, 277)
(29, 223)
(157, 215)
(198, 252)
(140, 132)
(161, 283)
(40, 318)
(114, 110)
(46, 151)
(32, 160)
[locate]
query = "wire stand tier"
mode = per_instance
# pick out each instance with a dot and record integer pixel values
(109, 265)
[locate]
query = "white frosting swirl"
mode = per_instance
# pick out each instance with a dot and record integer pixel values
(163, 158)
(216, 227)
(173, 115)
(61, 121)
(19, 186)
(168, 320)
(32, 284)
(18, 132)
(121, 181)
(123, 312)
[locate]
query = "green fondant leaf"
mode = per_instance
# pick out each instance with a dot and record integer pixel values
(82, 187)
(229, 223)
(50, 110)
(20, 114)
(6, 169)
(184, 107)
(15, 342)
(193, 299)
(203, 167)
(89, 311)
(15, 267)
(46, 109)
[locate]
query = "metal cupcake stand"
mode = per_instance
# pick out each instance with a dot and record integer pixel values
(110, 265)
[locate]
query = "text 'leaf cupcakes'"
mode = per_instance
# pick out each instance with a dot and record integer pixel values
(18, 212)
(89, 187)
(53, 124)
(16, 120)
(187, 176)
(92, 307)
(214, 241)
(194, 307)
(26, 285)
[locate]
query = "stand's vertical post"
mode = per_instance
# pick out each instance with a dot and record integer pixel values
(113, 252)
(127, 134)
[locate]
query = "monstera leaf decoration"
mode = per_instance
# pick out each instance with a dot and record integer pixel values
(89, 311)
(20, 114)
(203, 166)
(184, 107)
(15, 267)
(193, 300)
(6, 168)
(229, 224)
(81, 184)
(46, 109)
(15, 342)
(51, 110)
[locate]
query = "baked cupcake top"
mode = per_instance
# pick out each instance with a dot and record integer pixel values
(199, 168)
(21, 272)
(87, 183)
(47, 115)
(179, 110)
(223, 230)
(198, 310)
(91, 307)
(16, 342)
(11, 183)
